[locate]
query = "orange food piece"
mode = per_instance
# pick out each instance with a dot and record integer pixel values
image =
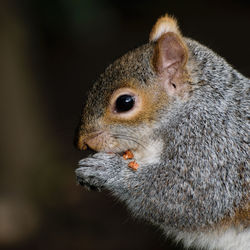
(134, 165)
(128, 155)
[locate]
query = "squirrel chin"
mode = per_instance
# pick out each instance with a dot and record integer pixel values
(149, 155)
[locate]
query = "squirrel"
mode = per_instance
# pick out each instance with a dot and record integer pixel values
(183, 113)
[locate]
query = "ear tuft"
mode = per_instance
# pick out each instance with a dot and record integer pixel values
(163, 25)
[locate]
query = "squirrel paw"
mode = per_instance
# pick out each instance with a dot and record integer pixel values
(100, 170)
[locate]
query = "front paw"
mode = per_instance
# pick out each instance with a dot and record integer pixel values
(99, 171)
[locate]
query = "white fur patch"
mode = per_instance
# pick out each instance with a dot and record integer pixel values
(151, 154)
(231, 239)
(163, 25)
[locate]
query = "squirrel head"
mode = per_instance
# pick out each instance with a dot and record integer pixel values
(127, 101)
(182, 111)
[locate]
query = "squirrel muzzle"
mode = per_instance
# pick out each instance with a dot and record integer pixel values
(98, 141)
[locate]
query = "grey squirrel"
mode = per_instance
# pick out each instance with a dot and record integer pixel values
(183, 113)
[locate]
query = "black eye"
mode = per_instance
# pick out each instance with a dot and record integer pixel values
(124, 103)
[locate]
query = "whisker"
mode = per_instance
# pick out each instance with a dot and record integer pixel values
(128, 138)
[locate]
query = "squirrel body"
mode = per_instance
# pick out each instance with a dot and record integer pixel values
(184, 113)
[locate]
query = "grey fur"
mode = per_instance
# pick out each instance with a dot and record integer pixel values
(204, 172)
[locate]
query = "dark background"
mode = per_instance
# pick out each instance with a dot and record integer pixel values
(50, 54)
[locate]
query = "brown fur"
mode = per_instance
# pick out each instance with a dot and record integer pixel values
(147, 111)
(168, 22)
(240, 220)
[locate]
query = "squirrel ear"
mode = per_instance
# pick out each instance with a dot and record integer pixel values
(170, 54)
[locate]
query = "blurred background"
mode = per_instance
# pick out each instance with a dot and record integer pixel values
(50, 54)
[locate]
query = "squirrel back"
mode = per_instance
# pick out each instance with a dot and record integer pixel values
(183, 112)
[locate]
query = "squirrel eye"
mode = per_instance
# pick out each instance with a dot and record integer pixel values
(124, 103)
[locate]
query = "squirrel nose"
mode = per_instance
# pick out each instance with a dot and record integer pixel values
(81, 143)
(92, 141)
